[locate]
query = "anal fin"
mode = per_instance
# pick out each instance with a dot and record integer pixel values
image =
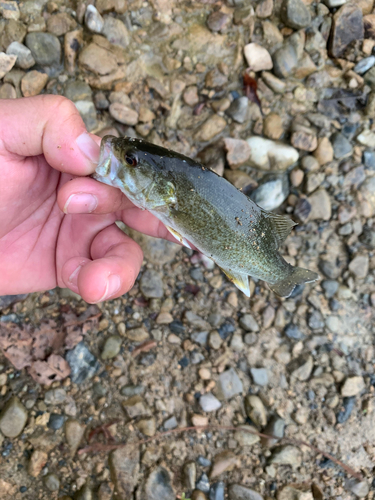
(178, 237)
(240, 280)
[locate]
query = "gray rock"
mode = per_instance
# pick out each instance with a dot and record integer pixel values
(13, 418)
(341, 146)
(25, 59)
(111, 347)
(255, 410)
(272, 191)
(93, 20)
(287, 455)
(295, 14)
(115, 31)
(199, 337)
(315, 320)
(78, 91)
(55, 396)
(285, 61)
(359, 488)
(170, 423)
(344, 413)
(209, 402)
(151, 284)
(190, 475)
(364, 65)
(293, 332)
(248, 323)
(88, 113)
(8, 300)
(136, 407)
(347, 27)
(124, 468)
(203, 483)
(230, 384)
(369, 159)
(330, 287)
(132, 390)
(301, 367)
(45, 48)
(239, 492)
(260, 376)
(158, 485)
(56, 421)
(82, 363)
(245, 438)
(51, 482)
(217, 491)
(275, 427)
(238, 109)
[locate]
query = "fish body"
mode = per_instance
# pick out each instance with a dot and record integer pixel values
(203, 210)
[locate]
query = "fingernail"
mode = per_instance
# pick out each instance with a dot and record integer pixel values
(112, 287)
(80, 203)
(73, 278)
(88, 147)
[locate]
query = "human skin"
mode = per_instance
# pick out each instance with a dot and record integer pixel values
(57, 227)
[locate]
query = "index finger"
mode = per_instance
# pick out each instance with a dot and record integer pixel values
(48, 125)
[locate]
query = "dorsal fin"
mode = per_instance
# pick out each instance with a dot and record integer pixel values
(280, 224)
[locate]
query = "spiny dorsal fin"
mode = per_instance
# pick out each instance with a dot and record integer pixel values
(240, 280)
(280, 224)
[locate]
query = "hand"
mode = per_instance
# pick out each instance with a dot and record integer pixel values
(57, 228)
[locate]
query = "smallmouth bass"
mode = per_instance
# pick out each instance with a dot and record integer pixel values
(202, 209)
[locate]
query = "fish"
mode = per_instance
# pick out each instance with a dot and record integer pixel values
(203, 211)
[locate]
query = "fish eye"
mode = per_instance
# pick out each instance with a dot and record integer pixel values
(131, 159)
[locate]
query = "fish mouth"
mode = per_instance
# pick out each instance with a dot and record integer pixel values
(108, 164)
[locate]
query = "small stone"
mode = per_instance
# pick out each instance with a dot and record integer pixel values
(164, 318)
(147, 426)
(346, 410)
(132, 390)
(72, 43)
(260, 376)
(287, 455)
(273, 126)
(124, 469)
(217, 491)
(210, 128)
(364, 65)
(359, 488)
(230, 384)
(13, 418)
(239, 179)
(209, 402)
(214, 340)
(255, 410)
(97, 59)
(33, 83)
(238, 151)
(288, 493)
(135, 407)
(199, 495)
(7, 91)
(272, 191)
(55, 396)
(270, 155)
(238, 109)
(353, 386)
(296, 177)
(217, 21)
(301, 367)
(190, 95)
(304, 141)
(105, 491)
(359, 266)
(347, 27)
(111, 347)
(341, 146)
(258, 58)
(93, 20)
(6, 63)
(285, 61)
(74, 432)
(215, 79)
(302, 415)
(315, 320)
(293, 332)
(264, 9)
(123, 114)
(203, 483)
(320, 205)
(159, 485)
(248, 323)
(190, 475)
(9, 9)
(330, 287)
(56, 421)
(246, 438)
(295, 14)
(37, 461)
(25, 59)
(199, 420)
(274, 83)
(239, 492)
(366, 138)
(275, 427)
(59, 24)
(324, 151)
(223, 461)
(45, 48)
(51, 482)
(82, 362)
(151, 284)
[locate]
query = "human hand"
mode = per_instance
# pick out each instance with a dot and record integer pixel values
(58, 228)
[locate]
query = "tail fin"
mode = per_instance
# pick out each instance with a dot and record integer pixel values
(298, 276)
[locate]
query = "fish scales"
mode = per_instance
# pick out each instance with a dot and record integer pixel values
(203, 210)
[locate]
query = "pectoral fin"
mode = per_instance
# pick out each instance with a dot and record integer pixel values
(240, 280)
(178, 237)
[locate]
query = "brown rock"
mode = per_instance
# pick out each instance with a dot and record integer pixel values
(6, 63)
(273, 126)
(320, 205)
(135, 407)
(190, 96)
(33, 83)
(13, 31)
(118, 6)
(74, 432)
(366, 6)
(106, 82)
(147, 426)
(305, 67)
(59, 24)
(352, 387)
(9, 9)
(37, 461)
(347, 27)
(264, 9)
(239, 179)
(324, 151)
(72, 43)
(7, 91)
(304, 141)
(223, 461)
(210, 128)
(296, 177)
(238, 151)
(123, 114)
(98, 60)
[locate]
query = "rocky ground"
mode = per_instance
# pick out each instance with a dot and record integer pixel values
(184, 347)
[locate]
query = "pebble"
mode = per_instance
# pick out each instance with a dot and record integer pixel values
(315, 320)
(301, 367)
(287, 455)
(217, 21)
(273, 126)
(25, 59)
(224, 461)
(238, 151)
(124, 466)
(259, 376)
(82, 362)
(293, 332)
(275, 427)
(264, 9)
(272, 191)
(304, 141)
(364, 65)
(56, 421)
(190, 475)
(346, 410)
(353, 386)
(369, 159)
(214, 340)
(210, 128)
(296, 177)
(36, 463)
(359, 266)
(55, 396)
(190, 96)
(215, 79)
(295, 14)
(198, 495)
(248, 323)
(51, 482)
(13, 418)
(255, 410)
(341, 146)
(320, 205)
(270, 155)
(203, 483)
(238, 109)
(274, 83)
(123, 114)
(136, 407)
(45, 48)
(93, 20)
(285, 61)
(230, 384)
(6, 63)
(258, 58)
(132, 390)
(115, 31)
(151, 284)
(244, 438)
(88, 113)
(208, 402)
(239, 492)
(97, 60)
(147, 426)
(347, 27)
(330, 287)
(9, 9)
(111, 347)
(74, 432)
(359, 488)
(217, 491)
(33, 83)
(288, 493)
